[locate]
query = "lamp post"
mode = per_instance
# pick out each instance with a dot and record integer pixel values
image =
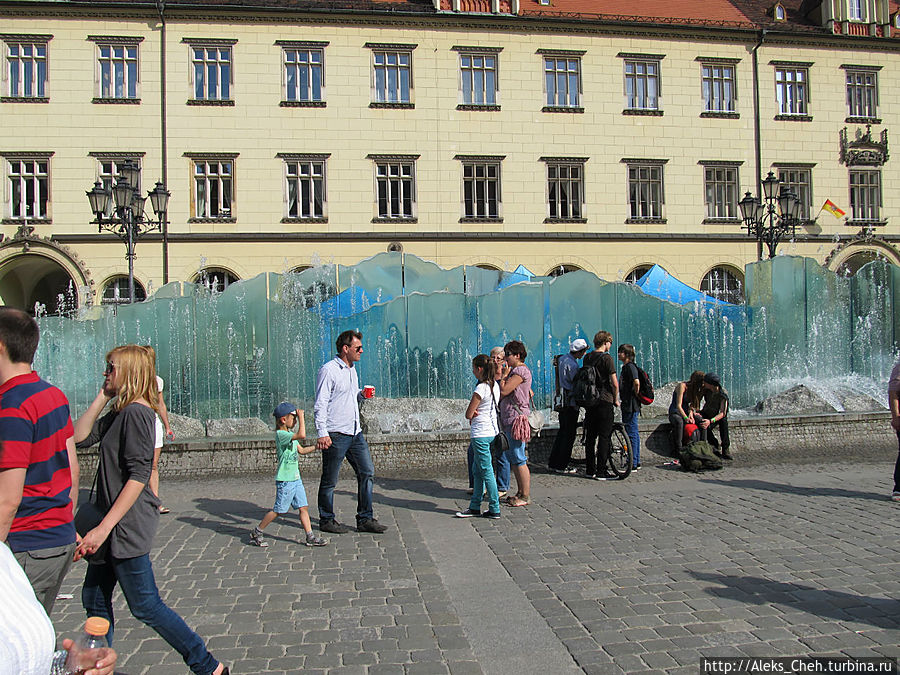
(772, 218)
(130, 222)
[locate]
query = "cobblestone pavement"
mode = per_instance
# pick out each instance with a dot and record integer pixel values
(643, 575)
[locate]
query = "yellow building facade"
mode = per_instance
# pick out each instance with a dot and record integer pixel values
(467, 135)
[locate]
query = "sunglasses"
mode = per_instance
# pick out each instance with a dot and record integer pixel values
(358, 349)
(110, 367)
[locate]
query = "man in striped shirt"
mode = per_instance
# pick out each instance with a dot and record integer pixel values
(38, 464)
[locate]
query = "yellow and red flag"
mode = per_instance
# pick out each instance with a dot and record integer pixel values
(833, 209)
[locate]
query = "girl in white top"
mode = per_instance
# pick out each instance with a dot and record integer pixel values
(482, 415)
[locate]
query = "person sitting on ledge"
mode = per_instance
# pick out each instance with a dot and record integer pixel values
(715, 413)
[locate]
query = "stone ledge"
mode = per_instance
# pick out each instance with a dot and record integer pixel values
(754, 441)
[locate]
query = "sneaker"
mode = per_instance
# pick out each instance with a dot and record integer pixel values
(636, 467)
(606, 478)
(313, 539)
(333, 526)
(493, 515)
(896, 496)
(568, 471)
(370, 525)
(726, 455)
(468, 513)
(256, 538)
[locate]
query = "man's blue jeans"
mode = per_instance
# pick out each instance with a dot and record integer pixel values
(135, 578)
(356, 450)
(630, 422)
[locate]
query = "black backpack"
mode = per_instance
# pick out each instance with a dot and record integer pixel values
(586, 387)
(646, 394)
(699, 456)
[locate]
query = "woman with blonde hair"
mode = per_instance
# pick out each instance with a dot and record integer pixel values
(118, 548)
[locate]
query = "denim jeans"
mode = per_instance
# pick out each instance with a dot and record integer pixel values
(135, 578)
(484, 475)
(630, 422)
(356, 450)
(561, 454)
(502, 471)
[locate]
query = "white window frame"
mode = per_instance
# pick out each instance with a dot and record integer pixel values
(865, 195)
(862, 92)
(218, 61)
(482, 197)
(37, 178)
(643, 205)
(36, 64)
(723, 283)
(388, 60)
(214, 173)
(721, 188)
(799, 179)
(309, 67)
(395, 187)
(562, 69)
(128, 75)
(305, 175)
(856, 10)
(715, 79)
(792, 90)
(565, 189)
(469, 74)
(643, 75)
(119, 295)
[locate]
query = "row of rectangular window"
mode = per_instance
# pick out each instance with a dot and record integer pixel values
(479, 84)
(305, 195)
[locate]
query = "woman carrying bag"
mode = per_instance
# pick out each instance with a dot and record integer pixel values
(515, 404)
(131, 510)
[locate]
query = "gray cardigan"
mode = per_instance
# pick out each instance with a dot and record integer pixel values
(126, 440)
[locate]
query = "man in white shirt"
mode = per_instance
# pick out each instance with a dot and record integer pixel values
(340, 435)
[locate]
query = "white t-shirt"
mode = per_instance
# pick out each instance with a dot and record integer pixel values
(28, 639)
(484, 424)
(158, 427)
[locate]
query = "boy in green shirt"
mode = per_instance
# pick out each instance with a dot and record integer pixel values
(289, 492)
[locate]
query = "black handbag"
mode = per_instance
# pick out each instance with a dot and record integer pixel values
(88, 516)
(500, 444)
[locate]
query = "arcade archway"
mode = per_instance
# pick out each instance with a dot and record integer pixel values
(36, 272)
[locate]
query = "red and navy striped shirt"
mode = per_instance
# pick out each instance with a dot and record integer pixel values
(34, 427)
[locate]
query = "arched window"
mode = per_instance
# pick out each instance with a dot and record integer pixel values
(215, 279)
(635, 275)
(559, 270)
(853, 264)
(115, 292)
(724, 283)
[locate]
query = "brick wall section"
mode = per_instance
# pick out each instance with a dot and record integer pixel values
(844, 437)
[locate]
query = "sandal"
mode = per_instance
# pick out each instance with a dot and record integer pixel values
(516, 500)
(163, 509)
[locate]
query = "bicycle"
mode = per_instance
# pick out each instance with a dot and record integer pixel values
(620, 455)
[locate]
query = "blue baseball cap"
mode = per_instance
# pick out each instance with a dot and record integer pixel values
(283, 409)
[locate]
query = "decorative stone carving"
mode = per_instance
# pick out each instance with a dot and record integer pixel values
(864, 150)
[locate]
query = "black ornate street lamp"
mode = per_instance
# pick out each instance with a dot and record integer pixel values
(772, 218)
(130, 222)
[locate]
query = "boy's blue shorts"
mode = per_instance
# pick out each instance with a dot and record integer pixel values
(289, 494)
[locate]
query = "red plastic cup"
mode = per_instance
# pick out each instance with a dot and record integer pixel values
(368, 391)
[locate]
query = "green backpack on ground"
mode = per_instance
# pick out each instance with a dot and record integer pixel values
(699, 456)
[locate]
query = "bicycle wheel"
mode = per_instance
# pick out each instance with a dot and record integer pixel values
(620, 457)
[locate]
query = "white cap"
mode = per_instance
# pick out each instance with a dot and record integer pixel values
(578, 344)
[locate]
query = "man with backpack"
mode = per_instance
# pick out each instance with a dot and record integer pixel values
(567, 368)
(597, 390)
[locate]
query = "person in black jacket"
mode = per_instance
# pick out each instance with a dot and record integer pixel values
(598, 419)
(119, 546)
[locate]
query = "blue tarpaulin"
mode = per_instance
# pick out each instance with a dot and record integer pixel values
(660, 284)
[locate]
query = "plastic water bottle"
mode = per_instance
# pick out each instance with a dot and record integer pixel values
(89, 647)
